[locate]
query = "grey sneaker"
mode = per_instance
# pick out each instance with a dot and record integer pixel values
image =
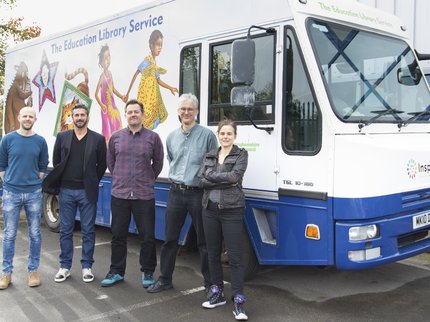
(216, 298)
(158, 286)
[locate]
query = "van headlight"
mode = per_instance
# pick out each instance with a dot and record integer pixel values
(363, 232)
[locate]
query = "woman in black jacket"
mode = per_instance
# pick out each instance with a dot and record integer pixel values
(223, 210)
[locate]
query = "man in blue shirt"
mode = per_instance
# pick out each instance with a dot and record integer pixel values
(186, 148)
(23, 164)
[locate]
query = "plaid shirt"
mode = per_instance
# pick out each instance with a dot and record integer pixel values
(134, 161)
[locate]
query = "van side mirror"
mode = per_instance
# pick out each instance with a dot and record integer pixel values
(422, 56)
(242, 96)
(243, 61)
(242, 70)
(409, 76)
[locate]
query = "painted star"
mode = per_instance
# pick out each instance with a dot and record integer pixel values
(44, 80)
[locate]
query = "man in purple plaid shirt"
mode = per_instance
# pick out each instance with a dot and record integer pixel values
(135, 159)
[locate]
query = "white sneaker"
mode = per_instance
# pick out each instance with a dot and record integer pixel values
(62, 275)
(87, 275)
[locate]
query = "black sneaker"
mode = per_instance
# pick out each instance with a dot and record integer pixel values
(216, 298)
(238, 310)
(158, 286)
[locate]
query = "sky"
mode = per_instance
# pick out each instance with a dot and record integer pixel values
(47, 13)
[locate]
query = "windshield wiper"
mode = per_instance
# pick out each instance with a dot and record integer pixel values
(380, 113)
(415, 116)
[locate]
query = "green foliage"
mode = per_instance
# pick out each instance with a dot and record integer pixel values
(9, 3)
(11, 30)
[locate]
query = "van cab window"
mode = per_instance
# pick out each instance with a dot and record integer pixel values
(220, 83)
(301, 122)
(368, 76)
(190, 70)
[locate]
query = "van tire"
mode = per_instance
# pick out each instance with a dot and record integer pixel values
(51, 213)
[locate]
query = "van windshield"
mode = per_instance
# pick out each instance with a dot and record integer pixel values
(368, 75)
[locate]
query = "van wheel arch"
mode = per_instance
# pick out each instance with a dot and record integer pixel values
(51, 213)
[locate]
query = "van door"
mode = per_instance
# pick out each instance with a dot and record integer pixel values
(261, 146)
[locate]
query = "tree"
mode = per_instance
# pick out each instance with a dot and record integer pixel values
(11, 30)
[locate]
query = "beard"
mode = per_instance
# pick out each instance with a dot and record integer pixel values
(80, 124)
(27, 127)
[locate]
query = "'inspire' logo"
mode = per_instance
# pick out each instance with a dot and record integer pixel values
(415, 169)
(412, 168)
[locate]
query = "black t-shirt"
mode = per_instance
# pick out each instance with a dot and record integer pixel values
(73, 174)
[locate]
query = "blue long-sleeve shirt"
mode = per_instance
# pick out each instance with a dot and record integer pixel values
(186, 151)
(22, 158)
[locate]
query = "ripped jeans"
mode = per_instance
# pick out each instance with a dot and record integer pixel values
(12, 204)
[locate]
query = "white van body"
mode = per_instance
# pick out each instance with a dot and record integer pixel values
(329, 185)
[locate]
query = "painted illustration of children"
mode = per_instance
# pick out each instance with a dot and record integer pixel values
(149, 87)
(111, 117)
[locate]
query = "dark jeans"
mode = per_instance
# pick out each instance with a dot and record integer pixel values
(228, 223)
(70, 201)
(181, 202)
(144, 216)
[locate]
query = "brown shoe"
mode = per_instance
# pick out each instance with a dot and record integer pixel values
(33, 279)
(5, 281)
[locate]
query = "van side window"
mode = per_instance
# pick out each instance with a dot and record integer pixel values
(301, 124)
(220, 83)
(190, 70)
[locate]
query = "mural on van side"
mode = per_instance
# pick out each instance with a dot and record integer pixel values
(44, 80)
(18, 96)
(111, 117)
(149, 87)
(70, 97)
(82, 86)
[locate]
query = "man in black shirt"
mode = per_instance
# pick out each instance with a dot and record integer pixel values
(79, 160)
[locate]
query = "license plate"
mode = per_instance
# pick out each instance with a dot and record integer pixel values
(421, 220)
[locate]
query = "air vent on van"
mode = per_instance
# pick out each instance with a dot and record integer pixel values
(416, 199)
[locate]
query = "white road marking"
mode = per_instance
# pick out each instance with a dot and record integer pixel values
(96, 244)
(140, 305)
(416, 263)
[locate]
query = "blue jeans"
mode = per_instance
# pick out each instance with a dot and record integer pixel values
(179, 203)
(12, 204)
(70, 201)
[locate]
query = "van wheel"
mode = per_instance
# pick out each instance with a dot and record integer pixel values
(51, 213)
(249, 260)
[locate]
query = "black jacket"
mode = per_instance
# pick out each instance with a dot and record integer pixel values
(94, 163)
(229, 182)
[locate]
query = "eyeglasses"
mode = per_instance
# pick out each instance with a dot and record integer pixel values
(184, 109)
